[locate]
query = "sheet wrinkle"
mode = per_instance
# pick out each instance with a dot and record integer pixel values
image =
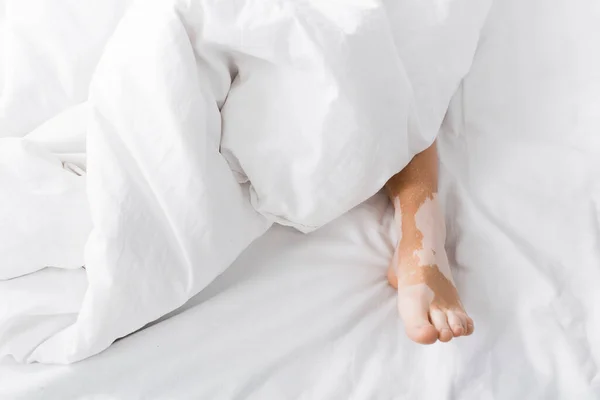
(595, 211)
(517, 241)
(581, 342)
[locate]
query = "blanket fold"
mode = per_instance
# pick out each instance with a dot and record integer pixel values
(208, 121)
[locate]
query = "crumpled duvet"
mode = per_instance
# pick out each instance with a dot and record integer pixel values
(205, 123)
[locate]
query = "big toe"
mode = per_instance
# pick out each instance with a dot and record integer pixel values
(413, 305)
(426, 334)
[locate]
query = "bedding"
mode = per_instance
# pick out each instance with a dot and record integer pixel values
(254, 333)
(49, 50)
(206, 122)
(311, 317)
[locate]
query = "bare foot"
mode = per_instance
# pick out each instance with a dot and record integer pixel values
(428, 302)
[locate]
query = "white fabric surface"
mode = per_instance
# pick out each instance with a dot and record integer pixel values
(45, 215)
(35, 182)
(312, 317)
(48, 54)
(313, 104)
(295, 315)
(2, 42)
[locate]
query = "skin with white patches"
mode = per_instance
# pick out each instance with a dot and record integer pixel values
(407, 294)
(430, 222)
(397, 214)
(421, 289)
(428, 302)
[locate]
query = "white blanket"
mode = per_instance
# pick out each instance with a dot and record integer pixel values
(206, 122)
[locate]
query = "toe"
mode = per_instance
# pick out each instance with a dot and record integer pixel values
(457, 325)
(414, 308)
(470, 326)
(426, 334)
(438, 317)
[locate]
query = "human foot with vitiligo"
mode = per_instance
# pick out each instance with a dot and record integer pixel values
(428, 302)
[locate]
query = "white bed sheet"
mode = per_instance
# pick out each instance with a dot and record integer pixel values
(284, 320)
(311, 317)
